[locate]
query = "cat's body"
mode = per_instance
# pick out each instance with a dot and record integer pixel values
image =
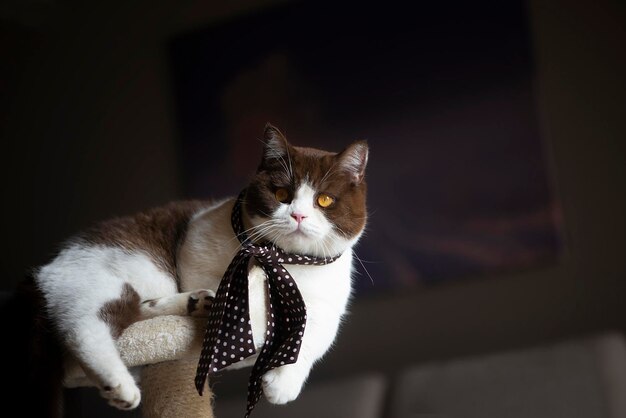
(170, 261)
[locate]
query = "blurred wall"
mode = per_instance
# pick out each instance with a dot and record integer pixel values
(86, 121)
(88, 132)
(581, 92)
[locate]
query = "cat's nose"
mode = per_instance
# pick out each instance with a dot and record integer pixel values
(298, 217)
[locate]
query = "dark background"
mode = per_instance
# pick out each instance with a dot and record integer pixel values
(458, 180)
(88, 130)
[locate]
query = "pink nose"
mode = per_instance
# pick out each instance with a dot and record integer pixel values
(298, 217)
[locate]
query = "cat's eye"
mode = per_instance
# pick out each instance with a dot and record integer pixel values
(325, 200)
(282, 195)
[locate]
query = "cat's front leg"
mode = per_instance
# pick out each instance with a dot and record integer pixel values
(283, 384)
(196, 303)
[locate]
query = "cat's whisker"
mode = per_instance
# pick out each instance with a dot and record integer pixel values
(276, 225)
(247, 231)
(319, 248)
(253, 227)
(341, 230)
(258, 233)
(363, 265)
(328, 173)
(274, 237)
(326, 250)
(357, 257)
(290, 166)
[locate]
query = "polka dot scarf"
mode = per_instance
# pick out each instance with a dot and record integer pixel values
(228, 337)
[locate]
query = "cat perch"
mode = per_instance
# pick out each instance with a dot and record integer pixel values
(168, 347)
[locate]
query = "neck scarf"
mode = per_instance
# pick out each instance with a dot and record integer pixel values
(228, 337)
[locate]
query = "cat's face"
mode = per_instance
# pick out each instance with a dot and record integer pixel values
(305, 200)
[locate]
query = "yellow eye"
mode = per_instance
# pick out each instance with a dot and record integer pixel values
(324, 200)
(282, 195)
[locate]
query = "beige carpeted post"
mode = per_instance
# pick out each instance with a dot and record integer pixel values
(168, 348)
(169, 392)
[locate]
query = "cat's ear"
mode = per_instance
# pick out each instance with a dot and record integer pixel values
(353, 160)
(275, 143)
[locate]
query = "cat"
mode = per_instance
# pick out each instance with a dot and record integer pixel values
(169, 261)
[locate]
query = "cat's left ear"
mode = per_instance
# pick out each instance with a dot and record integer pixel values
(276, 145)
(353, 160)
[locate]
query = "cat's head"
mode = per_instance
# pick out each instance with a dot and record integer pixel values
(306, 200)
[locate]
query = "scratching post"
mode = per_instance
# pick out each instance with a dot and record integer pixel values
(168, 348)
(169, 392)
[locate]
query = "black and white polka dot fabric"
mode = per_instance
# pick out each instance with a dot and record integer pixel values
(228, 337)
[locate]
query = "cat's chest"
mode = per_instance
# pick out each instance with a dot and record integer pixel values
(327, 282)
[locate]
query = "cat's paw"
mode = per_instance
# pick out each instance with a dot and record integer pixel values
(123, 396)
(199, 302)
(283, 384)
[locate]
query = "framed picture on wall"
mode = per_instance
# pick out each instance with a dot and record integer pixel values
(458, 179)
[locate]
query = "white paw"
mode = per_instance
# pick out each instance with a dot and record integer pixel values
(283, 384)
(123, 395)
(199, 302)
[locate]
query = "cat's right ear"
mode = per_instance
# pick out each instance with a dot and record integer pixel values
(275, 146)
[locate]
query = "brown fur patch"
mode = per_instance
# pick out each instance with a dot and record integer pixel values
(122, 312)
(158, 232)
(325, 172)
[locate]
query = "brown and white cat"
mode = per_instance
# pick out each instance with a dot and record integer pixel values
(170, 260)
